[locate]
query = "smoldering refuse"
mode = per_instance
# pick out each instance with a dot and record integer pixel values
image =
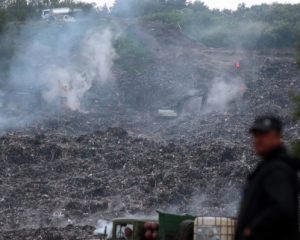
(75, 55)
(75, 157)
(223, 92)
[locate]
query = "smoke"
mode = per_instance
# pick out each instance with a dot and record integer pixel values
(153, 215)
(223, 92)
(202, 203)
(63, 61)
(97, 55)
(100, 227)
(100, 54)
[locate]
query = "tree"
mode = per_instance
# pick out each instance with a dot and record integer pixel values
(227, 11)
(126, 8)
(3, 18)
(198, 6)
(241, 7)
(54, 3)
(104, 9)
(84, 6)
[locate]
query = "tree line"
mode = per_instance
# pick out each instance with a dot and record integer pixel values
(23, 10)
(258, 26)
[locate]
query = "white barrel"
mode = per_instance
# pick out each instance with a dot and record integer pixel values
(214, 228)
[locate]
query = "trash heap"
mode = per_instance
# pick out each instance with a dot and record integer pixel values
(48, 180)
(63, 170)
(53, 233)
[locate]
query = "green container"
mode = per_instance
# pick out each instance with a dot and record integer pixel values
(168, 224)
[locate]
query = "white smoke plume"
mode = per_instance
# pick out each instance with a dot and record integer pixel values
(223, 92)
(76, 56)
(100, 228)
(99, 53)
(97, 56)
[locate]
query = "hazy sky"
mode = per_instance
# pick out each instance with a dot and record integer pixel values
(230, 4)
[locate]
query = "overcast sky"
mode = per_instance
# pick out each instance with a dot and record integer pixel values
(221, 4)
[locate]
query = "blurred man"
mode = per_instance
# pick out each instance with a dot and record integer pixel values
(269, 207)
(128, 232)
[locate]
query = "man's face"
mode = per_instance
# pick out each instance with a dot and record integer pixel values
(128, 232)
(264, 142)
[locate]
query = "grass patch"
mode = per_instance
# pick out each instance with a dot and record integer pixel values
(133, 52)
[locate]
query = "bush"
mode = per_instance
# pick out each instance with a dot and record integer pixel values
(133, 53)
(3, 19)
(256, 27)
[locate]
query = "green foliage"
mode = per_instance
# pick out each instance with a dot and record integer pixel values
(259, 26)
(3, 18)
(132, 51)
(295, 98)
(7, 50)
(6, 46)
(137, 8)
(22, 10)
(127, 8)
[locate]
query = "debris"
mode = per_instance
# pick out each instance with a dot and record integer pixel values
(69, 167)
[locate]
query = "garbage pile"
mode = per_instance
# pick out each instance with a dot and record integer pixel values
(52, 233)
(50, 180)
(61, 171)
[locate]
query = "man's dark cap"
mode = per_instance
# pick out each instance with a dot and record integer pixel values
(266, 123)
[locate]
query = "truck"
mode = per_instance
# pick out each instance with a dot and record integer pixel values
(59, 14)
(55, 11)
(172, 227)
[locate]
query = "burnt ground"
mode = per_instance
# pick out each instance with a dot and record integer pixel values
(62, 170)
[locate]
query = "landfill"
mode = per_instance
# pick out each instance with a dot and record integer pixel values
(63, 170)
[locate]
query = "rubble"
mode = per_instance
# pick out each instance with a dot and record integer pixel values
(63, 170)
(107, 173)
(69, 232)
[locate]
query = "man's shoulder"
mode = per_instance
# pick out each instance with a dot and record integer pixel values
(280, 165)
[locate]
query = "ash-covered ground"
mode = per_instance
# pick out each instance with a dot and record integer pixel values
(63, 170)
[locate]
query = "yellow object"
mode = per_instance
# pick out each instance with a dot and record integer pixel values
(64, 98)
